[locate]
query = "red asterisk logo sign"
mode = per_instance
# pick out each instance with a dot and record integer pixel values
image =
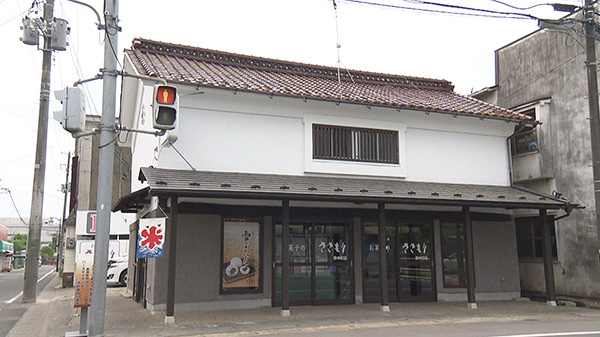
(152, 237)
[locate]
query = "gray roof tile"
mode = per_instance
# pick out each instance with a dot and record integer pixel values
(211, 68)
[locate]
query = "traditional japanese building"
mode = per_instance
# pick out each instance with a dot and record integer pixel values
(289, 184)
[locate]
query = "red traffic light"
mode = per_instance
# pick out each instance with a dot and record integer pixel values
(166, 95)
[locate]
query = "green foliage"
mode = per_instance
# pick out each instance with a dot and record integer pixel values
(46, 252)
(20, 242)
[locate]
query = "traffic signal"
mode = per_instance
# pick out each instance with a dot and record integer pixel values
(165, 107)
(72, 116)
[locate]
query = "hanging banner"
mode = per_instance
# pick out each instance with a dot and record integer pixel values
(241, 256)
(151, 238)
(83, 281)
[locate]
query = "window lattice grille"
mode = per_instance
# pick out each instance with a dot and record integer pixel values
(355, 144)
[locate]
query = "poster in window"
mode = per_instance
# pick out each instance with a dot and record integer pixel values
(241, 255)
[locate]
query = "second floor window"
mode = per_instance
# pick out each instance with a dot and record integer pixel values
(355, 144)
(525, 140)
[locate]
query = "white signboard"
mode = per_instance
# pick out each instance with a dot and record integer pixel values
(86, 223)
(116, 248)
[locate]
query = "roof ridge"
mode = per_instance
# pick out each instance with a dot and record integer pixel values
(299, 68)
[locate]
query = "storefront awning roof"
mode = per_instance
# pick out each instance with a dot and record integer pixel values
(6, 247)
(187, 183)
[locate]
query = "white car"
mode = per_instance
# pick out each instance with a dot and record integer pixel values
(117, 271)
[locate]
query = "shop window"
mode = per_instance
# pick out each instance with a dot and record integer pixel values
(525, 139)
(355, 144)
(453, 255)
(241, 256)
(530, 238)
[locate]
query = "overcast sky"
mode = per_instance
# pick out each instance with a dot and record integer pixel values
(374, 38)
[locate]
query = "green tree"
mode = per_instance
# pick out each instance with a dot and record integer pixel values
(46, 252)
(20, 242)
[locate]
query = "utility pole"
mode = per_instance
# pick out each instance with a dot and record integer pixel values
(35, 220)
(105, 170)
(64, 216)
(592, 82)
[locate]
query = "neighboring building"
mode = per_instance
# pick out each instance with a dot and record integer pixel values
(332, 165)
(50, 227)
(84, 182)
(543, 75)
(6, 255)
(3, 233)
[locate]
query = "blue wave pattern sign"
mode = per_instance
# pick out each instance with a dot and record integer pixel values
(151, 238)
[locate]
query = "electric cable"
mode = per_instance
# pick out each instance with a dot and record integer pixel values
(470, 8)
(516, 16)
(14, 205)
(520, 8)
(107, 33)
(14, 17)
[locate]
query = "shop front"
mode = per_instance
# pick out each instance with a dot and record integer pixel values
(287, 241)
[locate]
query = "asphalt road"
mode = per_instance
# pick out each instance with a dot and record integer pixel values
(11, 287)
(585, 328)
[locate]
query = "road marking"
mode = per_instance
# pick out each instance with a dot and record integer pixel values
(21, 293)
(575, 333)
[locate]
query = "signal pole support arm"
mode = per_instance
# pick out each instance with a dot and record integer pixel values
(120, 128)
(100, 25)
(142, 77)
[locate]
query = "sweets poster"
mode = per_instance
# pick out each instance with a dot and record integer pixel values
(241, 256)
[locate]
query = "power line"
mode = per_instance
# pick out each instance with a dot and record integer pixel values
(498, 15)
(14, 205)
(520, 8)
(470, 8)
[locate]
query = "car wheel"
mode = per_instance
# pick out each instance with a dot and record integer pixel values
(123, 277)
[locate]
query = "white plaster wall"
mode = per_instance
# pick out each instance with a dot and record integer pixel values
(254, 133)
(456, 157)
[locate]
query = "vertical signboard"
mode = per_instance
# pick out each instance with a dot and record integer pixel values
(151, 238)
(241, 255)
(83, 281)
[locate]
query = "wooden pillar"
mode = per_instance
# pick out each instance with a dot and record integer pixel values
(383, 259)
(471, 303)
(547, 252)
(285, 258)
(172, 245)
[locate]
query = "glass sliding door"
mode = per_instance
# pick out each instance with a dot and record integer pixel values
(415, 262)
(300, 270)
(333, 275)
(409, 253)
(320, 263)
(371, 281)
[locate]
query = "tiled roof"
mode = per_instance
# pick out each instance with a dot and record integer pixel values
(270, 186)
(211, 68)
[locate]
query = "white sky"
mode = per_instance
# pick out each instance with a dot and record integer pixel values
(455, 48)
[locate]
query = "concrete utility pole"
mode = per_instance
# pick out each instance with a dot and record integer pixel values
(592, 76)
(37, 198)
(105, 170)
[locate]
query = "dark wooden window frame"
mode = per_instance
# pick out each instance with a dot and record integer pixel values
(332, 142)
(532, 224)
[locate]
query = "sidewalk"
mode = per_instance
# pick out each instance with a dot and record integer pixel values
(53, 315)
